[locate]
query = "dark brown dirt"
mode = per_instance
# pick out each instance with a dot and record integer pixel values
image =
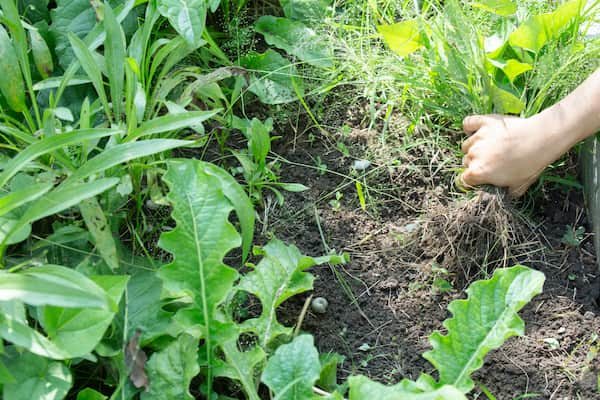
(382, 327)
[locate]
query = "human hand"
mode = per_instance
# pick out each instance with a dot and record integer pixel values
(507, 151)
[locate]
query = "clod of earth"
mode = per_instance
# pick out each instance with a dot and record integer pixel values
(319, 305)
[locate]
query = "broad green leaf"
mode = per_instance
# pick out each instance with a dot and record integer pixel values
(5, 374)
(187, 17)
(13, 87)
(169, 123)
(90, 394)
(53, 83)
(199, 242)
(53, 285)
(241, 366)
(171, 370)
(328, 375)
(403, 37)
(295, 38)
(78, 330)
(58, 200)
(16, 331)
(512, 68)
(499, 7)
(293, 370)
(114, 54)
(41, 54)
(92, 69)
(277, 277)
(16, 199)
(37, 377)
(143, 305)
(36, 10)
(97, 225)
(48, 145)
(481, 323)
(505, 102)
(534, 33)
(361, 387)
(241, 203)
(305, 10)
(123, 153)
(273, 77)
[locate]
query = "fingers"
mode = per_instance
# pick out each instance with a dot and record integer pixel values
(471, 177)
(466, 145)
(466, 160)
(472, 123)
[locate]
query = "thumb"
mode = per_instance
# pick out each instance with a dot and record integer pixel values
(473, 123)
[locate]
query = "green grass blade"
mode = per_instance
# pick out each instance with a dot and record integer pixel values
(53, 285)
(41, 54)
(122, 153)
(91, 68)
(98, 226)
(17, 199)
(114, 54)
(48, 145)
(64, 197)
(170, 123)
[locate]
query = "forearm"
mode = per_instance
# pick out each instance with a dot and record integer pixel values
(575, 117)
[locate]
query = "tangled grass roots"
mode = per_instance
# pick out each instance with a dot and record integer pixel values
(473, 237)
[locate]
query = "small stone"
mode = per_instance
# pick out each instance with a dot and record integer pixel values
(561, 330)
(589, 315)
(319, 305)
(361, 165)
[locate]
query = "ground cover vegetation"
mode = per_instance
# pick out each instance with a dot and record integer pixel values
(137, 157)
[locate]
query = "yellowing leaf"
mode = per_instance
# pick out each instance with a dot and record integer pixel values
(539, 29)
(498, 7)
(403, 37)
(514, 68)
(506, 102)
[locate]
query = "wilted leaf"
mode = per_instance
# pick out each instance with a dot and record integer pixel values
(296, 39)
(135, 359)
(95, 221)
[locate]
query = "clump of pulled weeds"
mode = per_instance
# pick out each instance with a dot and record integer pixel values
(472, 237)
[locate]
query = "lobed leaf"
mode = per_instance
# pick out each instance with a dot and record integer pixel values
(278, 276)
(171, 370)
(293, 370)
(361, 387)
(403, 37)
(200, 241)
(481, 323)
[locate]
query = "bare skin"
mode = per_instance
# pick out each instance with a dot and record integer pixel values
(512, 152)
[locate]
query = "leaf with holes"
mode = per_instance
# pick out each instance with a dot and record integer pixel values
(277, 277)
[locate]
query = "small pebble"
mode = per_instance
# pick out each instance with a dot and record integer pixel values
(361, 165)
(319, 305)
(589, 315)
(562, 329)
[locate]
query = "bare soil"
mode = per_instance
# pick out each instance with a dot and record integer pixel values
(414, 229)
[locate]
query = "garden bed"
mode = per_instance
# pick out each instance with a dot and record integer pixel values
(382, 327)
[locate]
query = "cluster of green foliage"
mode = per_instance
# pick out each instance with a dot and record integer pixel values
(458, 57)
(99, 95)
